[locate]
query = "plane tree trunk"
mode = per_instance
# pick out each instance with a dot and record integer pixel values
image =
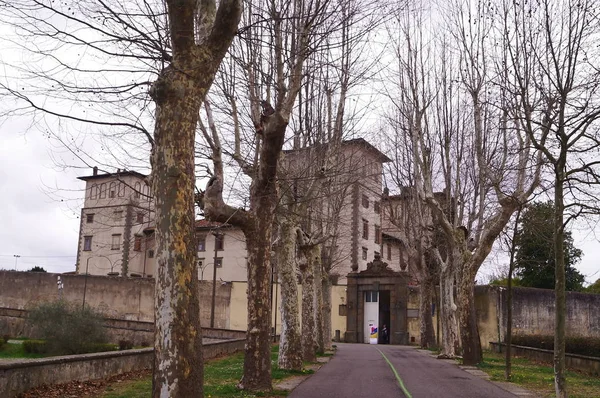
(290, 347)
(178, 94)
(318, 281)
(309, 341)
(426, 320)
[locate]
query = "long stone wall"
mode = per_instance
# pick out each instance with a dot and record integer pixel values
(128, 305)
(17, 376)
(533, 313)
(118, 298)
(590, 365)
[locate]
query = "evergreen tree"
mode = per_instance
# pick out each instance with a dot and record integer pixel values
(534, 261)
(593, 288)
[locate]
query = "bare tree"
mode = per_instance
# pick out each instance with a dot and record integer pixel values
(463, 144)
(270, 54)
(552, 83)
(183, 43)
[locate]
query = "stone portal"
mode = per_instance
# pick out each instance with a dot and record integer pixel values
(391, 290)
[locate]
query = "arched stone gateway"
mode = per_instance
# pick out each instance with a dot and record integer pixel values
(377, 296)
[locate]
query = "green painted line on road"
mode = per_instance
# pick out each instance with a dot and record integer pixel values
(400, 382)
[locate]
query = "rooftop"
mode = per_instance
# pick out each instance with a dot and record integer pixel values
(118, 173)
(355, 141)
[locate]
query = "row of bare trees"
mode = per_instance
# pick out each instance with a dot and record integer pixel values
(123, 71)
(499, 97)
(482, 97)
(290, 70)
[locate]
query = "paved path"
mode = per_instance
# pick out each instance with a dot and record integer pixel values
(362, 370)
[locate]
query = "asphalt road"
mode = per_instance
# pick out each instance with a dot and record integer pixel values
(363, 370)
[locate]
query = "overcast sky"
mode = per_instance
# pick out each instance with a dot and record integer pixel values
(41, 205)
(39, 220)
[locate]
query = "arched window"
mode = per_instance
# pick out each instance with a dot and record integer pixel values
(94, 191)
(121, 189)
(112, 190)
(102, 191)
(137, 187)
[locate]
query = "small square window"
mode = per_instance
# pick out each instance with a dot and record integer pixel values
(89, 218)
(365, 252)
(371, 296)
(219, 262)
(118, 215)
(116, 242)
(140, 218)
(150, 253)
(201, 243)
(112, 190)
(137, 244)
(87, 243)
(365, 201)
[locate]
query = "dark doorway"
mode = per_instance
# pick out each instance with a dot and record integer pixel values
(384, 317)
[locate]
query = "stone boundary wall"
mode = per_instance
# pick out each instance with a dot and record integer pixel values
(13, 323)
(115, 297)
(533, 313)
(590, 365)
(17, 376)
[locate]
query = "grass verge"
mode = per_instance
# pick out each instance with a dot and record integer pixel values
(539, 377)
(16, 351)
(220, 379)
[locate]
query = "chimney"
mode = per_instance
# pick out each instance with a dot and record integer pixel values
(95, 170)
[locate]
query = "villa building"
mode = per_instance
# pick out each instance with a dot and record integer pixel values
(117, 220)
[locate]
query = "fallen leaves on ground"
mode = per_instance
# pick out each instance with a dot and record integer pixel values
(78, 389)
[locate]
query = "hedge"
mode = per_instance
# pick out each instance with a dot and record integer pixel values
(42, 347)
(35, 346)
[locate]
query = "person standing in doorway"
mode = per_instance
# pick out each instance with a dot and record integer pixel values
(384, 335)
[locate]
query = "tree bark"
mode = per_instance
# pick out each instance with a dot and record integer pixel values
(178, 93)
(509, 298)
(427, 339)
(560, 382)
(290, 347)
(327, 331)
(448, 314)
(467, 319)
(178, 338)
(308, 309)
(257, 361)
(318, 279)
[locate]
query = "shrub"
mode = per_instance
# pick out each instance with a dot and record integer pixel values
(67, 329)
(588, 346)
(101, 347)
(125, 345)
(6, 337)
(2, 342)
(35, 346)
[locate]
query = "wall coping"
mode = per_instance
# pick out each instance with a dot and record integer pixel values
(29, 362)
(24, 363)
(597, 359)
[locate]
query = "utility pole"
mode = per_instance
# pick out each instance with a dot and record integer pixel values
(217, 235)
(16, 256)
